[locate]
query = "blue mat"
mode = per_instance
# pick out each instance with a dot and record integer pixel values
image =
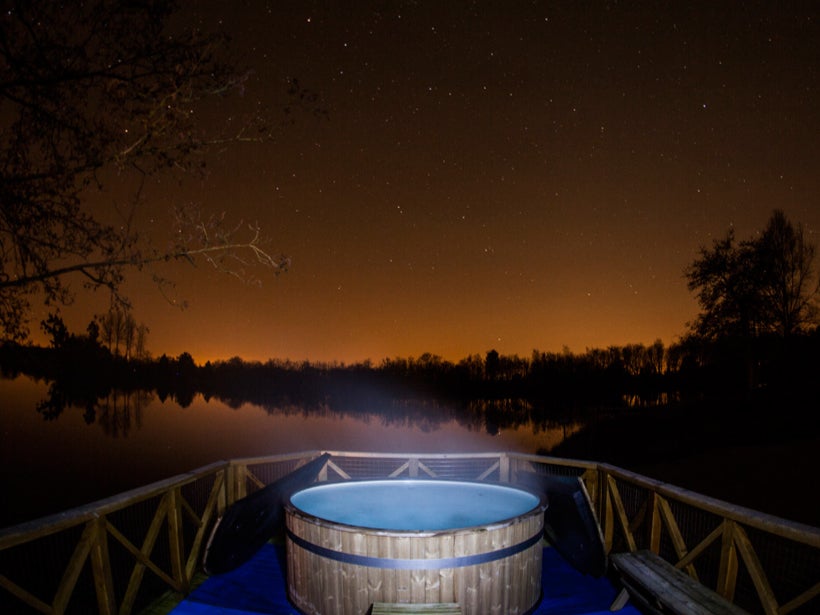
(259, 587)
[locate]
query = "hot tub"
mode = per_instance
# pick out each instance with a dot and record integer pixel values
(414, 541)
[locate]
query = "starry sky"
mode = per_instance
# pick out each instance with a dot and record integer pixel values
(501, 174)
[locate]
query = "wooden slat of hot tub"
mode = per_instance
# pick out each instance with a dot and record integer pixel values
(439, 608)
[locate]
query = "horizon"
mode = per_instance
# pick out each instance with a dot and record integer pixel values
(40, 340)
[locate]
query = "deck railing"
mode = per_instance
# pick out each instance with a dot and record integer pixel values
(95, 558)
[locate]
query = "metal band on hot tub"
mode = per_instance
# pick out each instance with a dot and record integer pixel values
(415, 564)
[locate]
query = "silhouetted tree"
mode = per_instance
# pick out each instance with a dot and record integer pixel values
(140, 349)
(88, 87)
(122, 335)
(785, 263)
(492, 365)
(93, 332)
(55, 328)
(763, 285)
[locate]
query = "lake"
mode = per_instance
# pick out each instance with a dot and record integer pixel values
(52, 460)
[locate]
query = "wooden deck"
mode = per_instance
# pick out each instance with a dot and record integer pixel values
(118, 555)
(258, 587)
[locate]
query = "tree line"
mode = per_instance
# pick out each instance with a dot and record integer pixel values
(646, 373)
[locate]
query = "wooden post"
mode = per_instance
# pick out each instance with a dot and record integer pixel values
(654, 522)
(175, 541)
(223, 495)
(322, 477)
(101, 567)
(590, 478)
(727, 576)
(75, 565)
(413, 469)
(230, 478)
(605, 512)
(504, 468)
(240, 481)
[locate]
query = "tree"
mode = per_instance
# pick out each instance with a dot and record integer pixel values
(89, 89)
(764, 285)
(122, 335)
(785, 263)
(55, 328)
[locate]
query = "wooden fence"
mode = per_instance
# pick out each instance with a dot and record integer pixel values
(95, 558)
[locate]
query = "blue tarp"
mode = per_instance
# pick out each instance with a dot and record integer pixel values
(259, 587)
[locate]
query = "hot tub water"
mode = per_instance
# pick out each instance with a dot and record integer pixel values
(421, 505)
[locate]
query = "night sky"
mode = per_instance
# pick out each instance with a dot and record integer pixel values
(507, 175)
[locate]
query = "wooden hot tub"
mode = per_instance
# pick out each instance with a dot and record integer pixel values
(414, 541)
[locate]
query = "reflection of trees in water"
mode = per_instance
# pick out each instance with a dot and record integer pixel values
(116, 411)
(518, 412)
(429, 413)
(662, 398)
(63, 394)
(114, 394)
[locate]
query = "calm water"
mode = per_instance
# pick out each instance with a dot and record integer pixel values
(49, 463)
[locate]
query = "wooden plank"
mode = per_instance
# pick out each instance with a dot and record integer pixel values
(427, 470)
(557, 461)
(590, 478)
(753, 565)
(489, 471)
(727, 574)
(253, 478)
(607, 515)
(211, 507)
(620, 513)
(701, 546)
(140, 556)
(338, 470)
(675, 536)
(176, 545)
(437, 608)
(29, 599)
(672, 588)
(504, 468)
(101, 568)
(75, 566)
(143, 555)
(397, 472)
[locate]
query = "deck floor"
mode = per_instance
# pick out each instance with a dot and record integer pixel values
(258, 587)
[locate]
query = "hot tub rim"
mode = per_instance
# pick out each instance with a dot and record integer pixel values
(293, 509)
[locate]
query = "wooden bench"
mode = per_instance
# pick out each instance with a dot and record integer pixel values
(438, 608)
(659, 587)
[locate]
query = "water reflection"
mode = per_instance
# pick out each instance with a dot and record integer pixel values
(115, 410)
(119, 411)
(657, 399)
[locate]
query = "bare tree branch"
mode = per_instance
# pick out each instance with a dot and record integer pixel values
(104, 84)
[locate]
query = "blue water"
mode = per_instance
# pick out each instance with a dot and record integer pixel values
(414, 505)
